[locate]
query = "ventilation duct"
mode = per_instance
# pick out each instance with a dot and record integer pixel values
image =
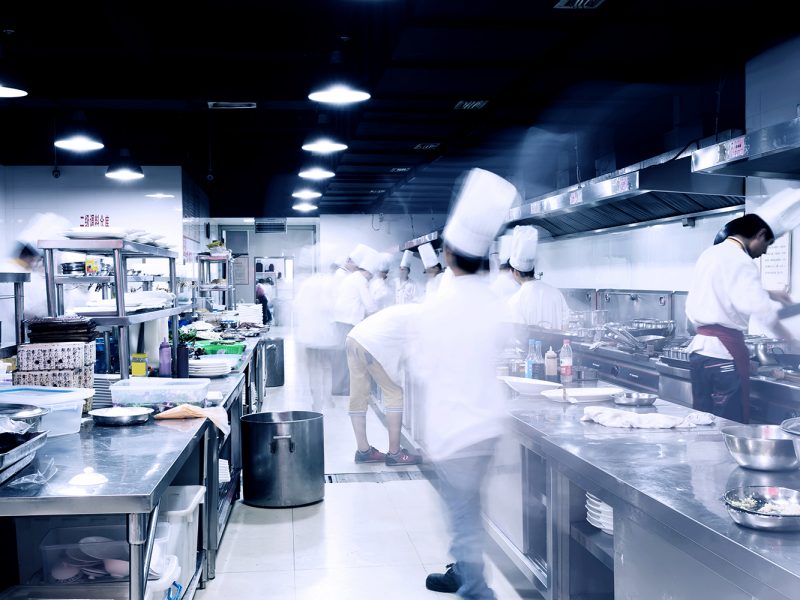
(270, 225)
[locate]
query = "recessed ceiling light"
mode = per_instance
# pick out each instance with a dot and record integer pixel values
(79, 143)
(306, 194)
(376, 191)
(316, 174)
(324, 146)
(304, 206)
(159, 195)
(339, 94)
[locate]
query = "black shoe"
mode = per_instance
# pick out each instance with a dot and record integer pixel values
(447, 582)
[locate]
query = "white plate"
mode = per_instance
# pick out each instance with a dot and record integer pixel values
(102, 547)
(578, 395)
(528, 387)
(604, 527)
(121, 411)
(600, 508)
(95, 234)
(605, 519)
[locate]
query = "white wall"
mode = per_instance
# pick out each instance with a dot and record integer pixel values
(659, 257)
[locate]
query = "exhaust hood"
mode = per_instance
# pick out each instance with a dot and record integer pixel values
(773, 151)
(660, 188)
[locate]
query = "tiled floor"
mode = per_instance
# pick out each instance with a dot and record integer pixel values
(364, 541)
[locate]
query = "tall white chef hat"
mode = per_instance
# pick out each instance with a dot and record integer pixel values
(428, 256)
(504, 248)
(385, 261)
(370, 260)
(524, 241)
(781, 212)
(406, 260)
(481, 207)
(357, 253)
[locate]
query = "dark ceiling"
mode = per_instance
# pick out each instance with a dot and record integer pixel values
(569, 93)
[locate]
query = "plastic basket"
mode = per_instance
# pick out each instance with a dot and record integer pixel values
(180, 507)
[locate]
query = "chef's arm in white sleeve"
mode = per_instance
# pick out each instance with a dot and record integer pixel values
(367, 299)
(749, 298)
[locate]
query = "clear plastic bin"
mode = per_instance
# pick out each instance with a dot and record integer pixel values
(65, 404)
(180, 507)
(159, 393)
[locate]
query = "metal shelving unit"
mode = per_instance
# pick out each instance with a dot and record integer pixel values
(120, 251)
(18, 279)
(205, 262)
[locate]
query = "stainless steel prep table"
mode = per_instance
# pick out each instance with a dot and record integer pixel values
(673, 536)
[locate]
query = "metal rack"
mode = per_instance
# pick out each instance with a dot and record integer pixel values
(18, 279)
(205, 288)
(120, 251)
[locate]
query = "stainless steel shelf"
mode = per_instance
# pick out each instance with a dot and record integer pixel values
(15, 277)
(140, 317)
(597, 543)
(106, 279)
(215, 288)
(213, 258)
(431, 238)
(107, 247)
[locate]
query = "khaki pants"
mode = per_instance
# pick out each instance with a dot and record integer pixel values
(364, 367)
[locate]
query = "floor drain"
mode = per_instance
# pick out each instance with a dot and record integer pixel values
(378, 477)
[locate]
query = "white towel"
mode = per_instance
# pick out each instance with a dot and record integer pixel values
(614, 417)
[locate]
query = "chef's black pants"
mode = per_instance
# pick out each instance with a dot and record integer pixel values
(716, 387)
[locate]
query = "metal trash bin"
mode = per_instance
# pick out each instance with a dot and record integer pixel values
(283, 458)
(274, 361)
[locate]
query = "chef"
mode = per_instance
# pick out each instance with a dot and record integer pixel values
(504, 285)
(433, 269)
(378, 285)
(535, 303)
(453, 362)
(405, 290)
(725, 293)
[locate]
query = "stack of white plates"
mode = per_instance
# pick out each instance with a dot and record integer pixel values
(599, 514)
(209, 366)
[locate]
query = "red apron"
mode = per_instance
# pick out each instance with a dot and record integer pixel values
(733, 340)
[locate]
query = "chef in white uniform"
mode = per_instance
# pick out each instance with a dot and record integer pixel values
(454, 364)
(433, 269)
(536, 303)
(379, 285)
(405, 290)
(725, 293)
(504, 285)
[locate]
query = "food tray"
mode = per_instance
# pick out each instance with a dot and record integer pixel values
(746, 507)
(9, 472)
(29, 443)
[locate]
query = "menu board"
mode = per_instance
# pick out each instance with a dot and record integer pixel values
(776, 265)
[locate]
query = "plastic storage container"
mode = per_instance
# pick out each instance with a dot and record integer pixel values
(180, 507)
(65, 404)
(159, 393)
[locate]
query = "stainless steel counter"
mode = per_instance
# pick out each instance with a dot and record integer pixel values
(665, 486)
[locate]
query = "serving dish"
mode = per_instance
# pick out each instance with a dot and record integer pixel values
(528, 387)
(120, 416)
(764, 507)
(27, 413)
(761, 447)
(635, 399)
(579, 395)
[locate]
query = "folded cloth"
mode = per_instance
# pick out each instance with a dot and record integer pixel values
(614, 417)
(216, 414)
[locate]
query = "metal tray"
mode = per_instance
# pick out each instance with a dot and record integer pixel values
(33, 441)
(9, 472)
(759, 496)
(107, 416)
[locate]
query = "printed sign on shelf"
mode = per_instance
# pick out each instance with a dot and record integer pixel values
(776, 265)
(95, 220)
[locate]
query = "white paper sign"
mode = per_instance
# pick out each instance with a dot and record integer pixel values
(776, 265)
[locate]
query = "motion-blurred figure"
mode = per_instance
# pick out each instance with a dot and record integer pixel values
(405, 290)
(379, 284)
(505, 285)
(433, 269)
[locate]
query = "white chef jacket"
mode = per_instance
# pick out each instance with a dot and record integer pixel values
(726, 290)
(455, 341)
(432, 286)
(353, 301)
(504, 285)
(385, 336)
(539, 304)
(380, 291)
(405, 292)
(313, 312)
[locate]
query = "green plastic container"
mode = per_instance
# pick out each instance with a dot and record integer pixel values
(220, 347)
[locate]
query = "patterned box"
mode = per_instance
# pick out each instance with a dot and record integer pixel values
(56, 356)
(60, 378)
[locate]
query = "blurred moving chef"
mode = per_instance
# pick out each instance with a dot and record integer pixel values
(379, 285)
(535, 303)
(405, 290)
(453, 361)
(504, 285)
(433, 269)
(725, 293)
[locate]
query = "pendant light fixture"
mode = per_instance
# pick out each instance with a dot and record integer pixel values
(304, 206)
(78, 137)
(339, 88)
(324, 146)
(339, 94)
(124, 168)
(10, 86)
(316, 173)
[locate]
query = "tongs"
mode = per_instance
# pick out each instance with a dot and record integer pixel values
(624, 336)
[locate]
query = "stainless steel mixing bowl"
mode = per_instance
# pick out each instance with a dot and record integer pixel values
(635, 399)
(761, 447)
(756, 507)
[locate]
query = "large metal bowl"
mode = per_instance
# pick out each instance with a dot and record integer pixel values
(635, 399)
(749, 507)
(761, 447)
(28, 413)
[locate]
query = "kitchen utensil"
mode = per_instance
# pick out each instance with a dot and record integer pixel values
(28, 413)
(579, 395)
(121, 415)
(761, 447)
(762, 507)
(657, 342)
(635, 399)
(528, 387)
(16, 446)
